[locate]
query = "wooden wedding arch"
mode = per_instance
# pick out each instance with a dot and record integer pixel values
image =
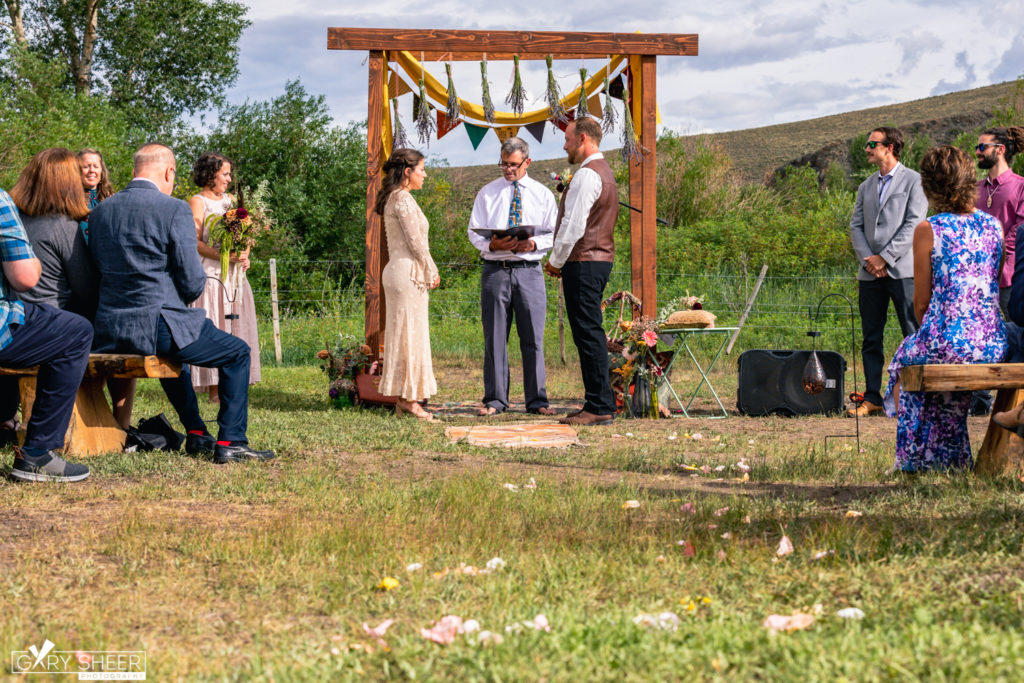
(641, 51)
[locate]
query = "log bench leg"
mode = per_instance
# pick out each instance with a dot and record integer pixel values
(93, 429)
(1002, 451)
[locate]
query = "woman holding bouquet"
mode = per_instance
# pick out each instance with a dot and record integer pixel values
(231, 308)
(410, 272)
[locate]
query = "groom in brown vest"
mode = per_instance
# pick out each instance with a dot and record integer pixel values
(582, 257)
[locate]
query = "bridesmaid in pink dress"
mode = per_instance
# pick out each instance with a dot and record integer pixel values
(212, 173)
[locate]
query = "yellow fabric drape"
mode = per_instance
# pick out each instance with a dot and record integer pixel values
(475, 112)
(636, 95)
(386, 134)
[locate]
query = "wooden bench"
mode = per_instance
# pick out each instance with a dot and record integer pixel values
(1002, 451)
(93, 429)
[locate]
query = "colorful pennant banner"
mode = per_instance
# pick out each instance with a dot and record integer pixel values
(536, 130)
(445, 125)
(476, 134)
(505, 132)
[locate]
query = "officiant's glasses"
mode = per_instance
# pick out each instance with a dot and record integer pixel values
(511, 167)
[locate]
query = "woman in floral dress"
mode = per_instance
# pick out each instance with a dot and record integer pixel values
(957, 254)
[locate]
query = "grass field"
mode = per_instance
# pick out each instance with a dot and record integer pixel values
(268, 573)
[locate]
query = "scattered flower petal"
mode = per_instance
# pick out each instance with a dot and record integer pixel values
(83, 658)
(719, 468)
(495, 563)
(795, 622)
(511, 487)
(706, 469)
(629, 433)
(697, 436)
(742, 465)
(672, 437)
(746, 520)
(850, 613)
(470, 626)
(688, 549)
(750, 441)
(711, 527)
(690, 468)
(721, 511)
(823, 554)
(443, 632)
(539, 623)
(387, 583)
(688, 509)
(532, 484)
(414, 567)
(854, 513)
(785, 547)
(666, 621)
(660, 559)
(721, 556)
(379, 630)
(727, 535)
(631, 504)
(335, 651)
(486, 638)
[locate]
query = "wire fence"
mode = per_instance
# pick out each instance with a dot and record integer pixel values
(784, 310)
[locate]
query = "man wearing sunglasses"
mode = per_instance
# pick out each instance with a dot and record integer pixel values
(889, 206)
(513, 224)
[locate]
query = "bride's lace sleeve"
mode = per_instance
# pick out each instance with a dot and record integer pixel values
(413, 225)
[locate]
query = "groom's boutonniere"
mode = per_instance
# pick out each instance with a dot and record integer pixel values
(564, 178)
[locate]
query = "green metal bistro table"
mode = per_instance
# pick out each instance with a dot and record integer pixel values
(682, 337)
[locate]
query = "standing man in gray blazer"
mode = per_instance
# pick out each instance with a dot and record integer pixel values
(889, 205)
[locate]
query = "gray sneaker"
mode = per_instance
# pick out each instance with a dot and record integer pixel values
(47, 467)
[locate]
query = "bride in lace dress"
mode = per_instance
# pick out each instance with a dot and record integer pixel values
(410, 272)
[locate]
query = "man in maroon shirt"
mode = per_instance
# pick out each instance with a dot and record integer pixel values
(1001, 194)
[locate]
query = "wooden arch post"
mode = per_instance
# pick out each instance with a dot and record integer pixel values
(642, 50)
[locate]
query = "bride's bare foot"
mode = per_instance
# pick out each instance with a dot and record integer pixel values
(414, 409)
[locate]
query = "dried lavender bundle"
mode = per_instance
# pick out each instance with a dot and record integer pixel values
(581, 106)
(516, 98)
(399, 139)
(553, 95)
(631, 149)
(486, 102)
(425, 125)
(611, 118)
(454, 108)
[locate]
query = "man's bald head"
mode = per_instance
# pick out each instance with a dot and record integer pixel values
(156, 162)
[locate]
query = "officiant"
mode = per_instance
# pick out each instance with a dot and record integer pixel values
(512, 224)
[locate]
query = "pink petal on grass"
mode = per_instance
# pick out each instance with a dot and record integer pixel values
(721, 511)
(379, 630)
(795, 622)
(688, 549)
(785, 547)
(688, 509)
(443, 632)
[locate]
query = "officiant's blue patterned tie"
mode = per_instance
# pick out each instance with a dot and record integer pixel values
(515, 207)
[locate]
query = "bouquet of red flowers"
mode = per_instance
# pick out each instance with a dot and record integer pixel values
(239, 227)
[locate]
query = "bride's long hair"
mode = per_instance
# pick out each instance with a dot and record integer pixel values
(394, 174)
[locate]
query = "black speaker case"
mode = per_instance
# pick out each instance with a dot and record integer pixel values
(771, 383)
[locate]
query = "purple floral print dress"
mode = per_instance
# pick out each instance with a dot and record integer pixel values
(962, 325)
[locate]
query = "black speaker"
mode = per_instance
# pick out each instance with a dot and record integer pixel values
(771, 382)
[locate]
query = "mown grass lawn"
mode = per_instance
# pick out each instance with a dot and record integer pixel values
(268, 573)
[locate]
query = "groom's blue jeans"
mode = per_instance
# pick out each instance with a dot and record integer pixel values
(213, 349)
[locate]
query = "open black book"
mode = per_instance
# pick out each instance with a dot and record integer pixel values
(523, 232)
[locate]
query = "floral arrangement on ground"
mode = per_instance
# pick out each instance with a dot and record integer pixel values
(342, 363)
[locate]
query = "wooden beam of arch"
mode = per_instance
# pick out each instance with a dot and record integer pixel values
(503, 45)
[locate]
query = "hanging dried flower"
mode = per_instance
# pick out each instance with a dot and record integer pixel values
(581, 106)
(454, 108)
(631, 149)
(425, 125)
(485, 100)
(553, 95)
(610, 119)
(399, 139)
(516, 99)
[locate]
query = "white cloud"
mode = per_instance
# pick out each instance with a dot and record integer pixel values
(759, 64)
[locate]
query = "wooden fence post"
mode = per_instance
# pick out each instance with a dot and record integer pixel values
(274, 310)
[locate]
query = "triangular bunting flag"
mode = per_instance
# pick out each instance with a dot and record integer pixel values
(444, 125)
(615, 88)
(569, 116)
(397, 87)
(505, 132)
(594, 106)
(476, 133)
(536, 130)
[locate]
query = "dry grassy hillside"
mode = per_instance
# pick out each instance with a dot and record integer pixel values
(756, 152)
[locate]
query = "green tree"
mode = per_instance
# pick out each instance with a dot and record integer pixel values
(156, 59)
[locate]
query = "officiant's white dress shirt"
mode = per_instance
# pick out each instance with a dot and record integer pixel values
(490, 210)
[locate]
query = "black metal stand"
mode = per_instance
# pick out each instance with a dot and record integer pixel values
(814, 334)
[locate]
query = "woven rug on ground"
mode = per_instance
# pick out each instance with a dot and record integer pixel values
(529, 435)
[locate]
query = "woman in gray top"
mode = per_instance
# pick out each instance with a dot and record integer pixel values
(51, 203)
(49, 198)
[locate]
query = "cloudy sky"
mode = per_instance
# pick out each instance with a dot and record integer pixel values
(760, 63)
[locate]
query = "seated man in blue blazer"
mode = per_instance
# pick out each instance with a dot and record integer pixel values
(144, 245)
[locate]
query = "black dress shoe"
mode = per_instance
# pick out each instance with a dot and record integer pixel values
(225, 454)
(199, 444)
